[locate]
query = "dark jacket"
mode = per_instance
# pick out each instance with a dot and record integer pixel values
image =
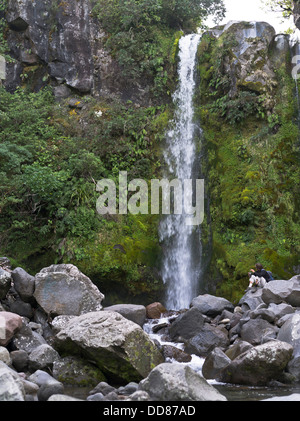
(262, 274)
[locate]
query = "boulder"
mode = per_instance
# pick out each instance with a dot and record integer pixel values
(48, 385)
(176, 382)
(237, 348)
(27, 339)
(251, 300)
(133, 312)
(281, 310)
(216, 361)
(11, 386)
(5, 283)
(76, 371)
(256, 329)
(277, 292)
(19, 359)
(187, 325)
(24, 284)
(172, 353)
(119, 347)
(42, 357)
(64, 290)
(263, 313)
(103, 388)
(22, 309)
(10, 324)
(259, 365)
(290, 333)
(155, 310)
(211, 306)
(206, 340)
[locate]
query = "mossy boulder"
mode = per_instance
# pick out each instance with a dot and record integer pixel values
(120, 348)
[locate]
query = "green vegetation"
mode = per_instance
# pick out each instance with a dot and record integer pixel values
(252, 170)
(143, 35)
(53, 154)
(51, 157)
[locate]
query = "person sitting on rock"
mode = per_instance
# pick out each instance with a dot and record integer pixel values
(258, 278)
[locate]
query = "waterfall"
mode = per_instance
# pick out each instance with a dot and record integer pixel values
(181, 243)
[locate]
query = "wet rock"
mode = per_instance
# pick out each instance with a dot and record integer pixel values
(177, 382)
(211, 306)
(155, 310)
(187, 324)
(206, 340)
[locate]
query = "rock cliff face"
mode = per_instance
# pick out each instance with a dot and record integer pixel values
(61, 42)
(248, 112)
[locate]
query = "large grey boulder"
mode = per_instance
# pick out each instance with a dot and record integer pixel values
(206, 340)
(259, 365)
(210, 305)
(65, 290)
(277, 292)
(290, 333)
(135, 313)
(11, 386)
(24, 284)
(255, 330)
(187, 325)
(119, 347)
(177, 382)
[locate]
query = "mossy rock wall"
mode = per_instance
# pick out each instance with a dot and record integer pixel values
(247, 107)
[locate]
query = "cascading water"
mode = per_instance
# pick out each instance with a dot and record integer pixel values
(295, 53)
(182, 245)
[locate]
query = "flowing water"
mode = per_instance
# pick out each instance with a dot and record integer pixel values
(182, 247)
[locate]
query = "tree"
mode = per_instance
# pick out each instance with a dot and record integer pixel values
(286, 7)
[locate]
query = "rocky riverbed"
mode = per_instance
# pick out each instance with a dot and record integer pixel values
(56, 337)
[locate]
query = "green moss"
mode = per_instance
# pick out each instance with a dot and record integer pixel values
(252, 172)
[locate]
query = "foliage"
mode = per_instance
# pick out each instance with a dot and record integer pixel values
(142, 34)
(252, 170)
(286, 7)
(51, 157)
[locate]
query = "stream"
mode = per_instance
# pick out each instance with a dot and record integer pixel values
(232, 392)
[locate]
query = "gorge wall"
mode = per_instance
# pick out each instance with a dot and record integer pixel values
(248, 109)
